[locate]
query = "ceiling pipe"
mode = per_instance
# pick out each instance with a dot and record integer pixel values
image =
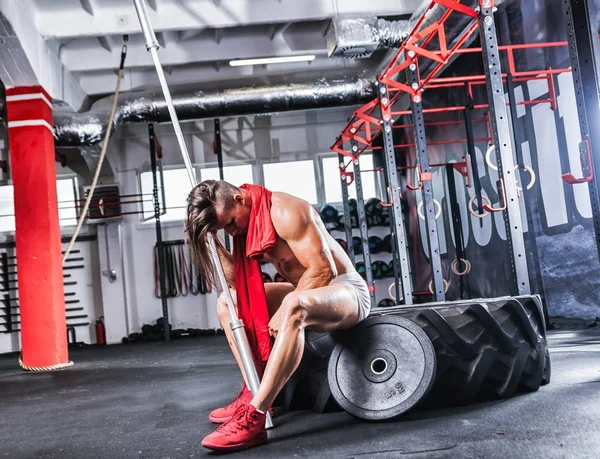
(85, 129)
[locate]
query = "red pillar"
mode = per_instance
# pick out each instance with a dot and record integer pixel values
(37, 235)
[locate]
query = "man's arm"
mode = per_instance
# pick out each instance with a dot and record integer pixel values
(226, 260)
(296, 225)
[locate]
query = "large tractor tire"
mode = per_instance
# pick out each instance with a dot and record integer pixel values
(486, 349)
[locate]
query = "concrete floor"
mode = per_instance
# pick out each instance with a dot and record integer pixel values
(152, 401)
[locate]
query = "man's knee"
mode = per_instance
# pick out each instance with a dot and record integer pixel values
(295, 309)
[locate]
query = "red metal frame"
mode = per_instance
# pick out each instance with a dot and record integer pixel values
(365, 125)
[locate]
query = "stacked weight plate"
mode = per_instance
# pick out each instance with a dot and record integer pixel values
(447, 353)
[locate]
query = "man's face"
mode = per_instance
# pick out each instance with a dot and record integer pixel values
(234, 220)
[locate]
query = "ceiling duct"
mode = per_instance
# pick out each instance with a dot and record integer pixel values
(359, 38)
(88, 128)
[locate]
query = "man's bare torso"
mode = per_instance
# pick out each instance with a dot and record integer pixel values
(282, 256)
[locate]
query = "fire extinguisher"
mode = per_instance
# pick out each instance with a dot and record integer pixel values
(100, 331)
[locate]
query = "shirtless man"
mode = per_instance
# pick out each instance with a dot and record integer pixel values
(324, 293)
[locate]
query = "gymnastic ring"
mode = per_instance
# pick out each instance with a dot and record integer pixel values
(467, 269)
(531, 175)
(488, 158)
(474, 212)
(390, 288)
(446, 285)
(438, 210)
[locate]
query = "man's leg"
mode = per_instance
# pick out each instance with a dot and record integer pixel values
(275, 293)
(323, 309)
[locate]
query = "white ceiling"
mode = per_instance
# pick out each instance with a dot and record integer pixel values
(198, 38)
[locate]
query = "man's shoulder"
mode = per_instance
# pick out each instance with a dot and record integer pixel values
(285, 207)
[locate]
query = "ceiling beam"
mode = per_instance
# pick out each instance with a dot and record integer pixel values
(85, 55)
(103, 82)
(31, 53)
(87, 7)
(119, 19)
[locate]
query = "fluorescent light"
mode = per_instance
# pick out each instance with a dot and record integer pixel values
(272, 60)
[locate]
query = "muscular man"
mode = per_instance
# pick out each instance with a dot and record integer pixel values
(324, 293)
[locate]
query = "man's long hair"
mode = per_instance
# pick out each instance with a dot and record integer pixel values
(203, 202)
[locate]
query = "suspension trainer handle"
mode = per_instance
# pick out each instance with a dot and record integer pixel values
(243, 347)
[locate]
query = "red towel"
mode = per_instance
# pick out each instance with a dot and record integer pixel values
(251, 298)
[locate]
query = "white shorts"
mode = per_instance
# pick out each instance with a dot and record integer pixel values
(359, 286)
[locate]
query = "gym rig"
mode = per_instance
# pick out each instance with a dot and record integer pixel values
(445, 351)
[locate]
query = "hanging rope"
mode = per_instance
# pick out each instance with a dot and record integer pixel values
(102, 154)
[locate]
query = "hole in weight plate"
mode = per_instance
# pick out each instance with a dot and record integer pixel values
(378, 366)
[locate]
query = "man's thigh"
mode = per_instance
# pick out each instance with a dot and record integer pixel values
(275, 293)
(330, 308)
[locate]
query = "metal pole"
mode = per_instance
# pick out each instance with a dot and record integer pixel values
(219, 153)
(159, 240)
(530, 241)
(393, 244)
(395, 198)
(362, 225)
(346, 206)
(235, 324)
(507, 185)
(425, 177)
(584, 51)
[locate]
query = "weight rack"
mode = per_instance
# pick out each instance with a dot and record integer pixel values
(377, 118)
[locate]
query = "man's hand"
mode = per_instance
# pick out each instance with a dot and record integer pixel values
(275, 324)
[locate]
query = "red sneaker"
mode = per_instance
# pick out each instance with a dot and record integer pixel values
(245, 429)
(221, 415)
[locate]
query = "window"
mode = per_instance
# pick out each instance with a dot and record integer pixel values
(295, 177)
(176, 190)
(236, 175)
(332, 181)
(66, 197)
(65, 191)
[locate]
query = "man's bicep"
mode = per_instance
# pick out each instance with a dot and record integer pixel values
(305, 240)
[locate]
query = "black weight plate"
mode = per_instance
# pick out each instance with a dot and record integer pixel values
(381, 368)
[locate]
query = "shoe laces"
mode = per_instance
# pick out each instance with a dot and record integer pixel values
(238, 398)
(241, 419)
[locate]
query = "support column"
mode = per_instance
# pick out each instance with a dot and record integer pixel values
(399, 242)
(113, 282)
(362, 225)
(37, 235)
(346, 207)
(426, 187)
(507, 185)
